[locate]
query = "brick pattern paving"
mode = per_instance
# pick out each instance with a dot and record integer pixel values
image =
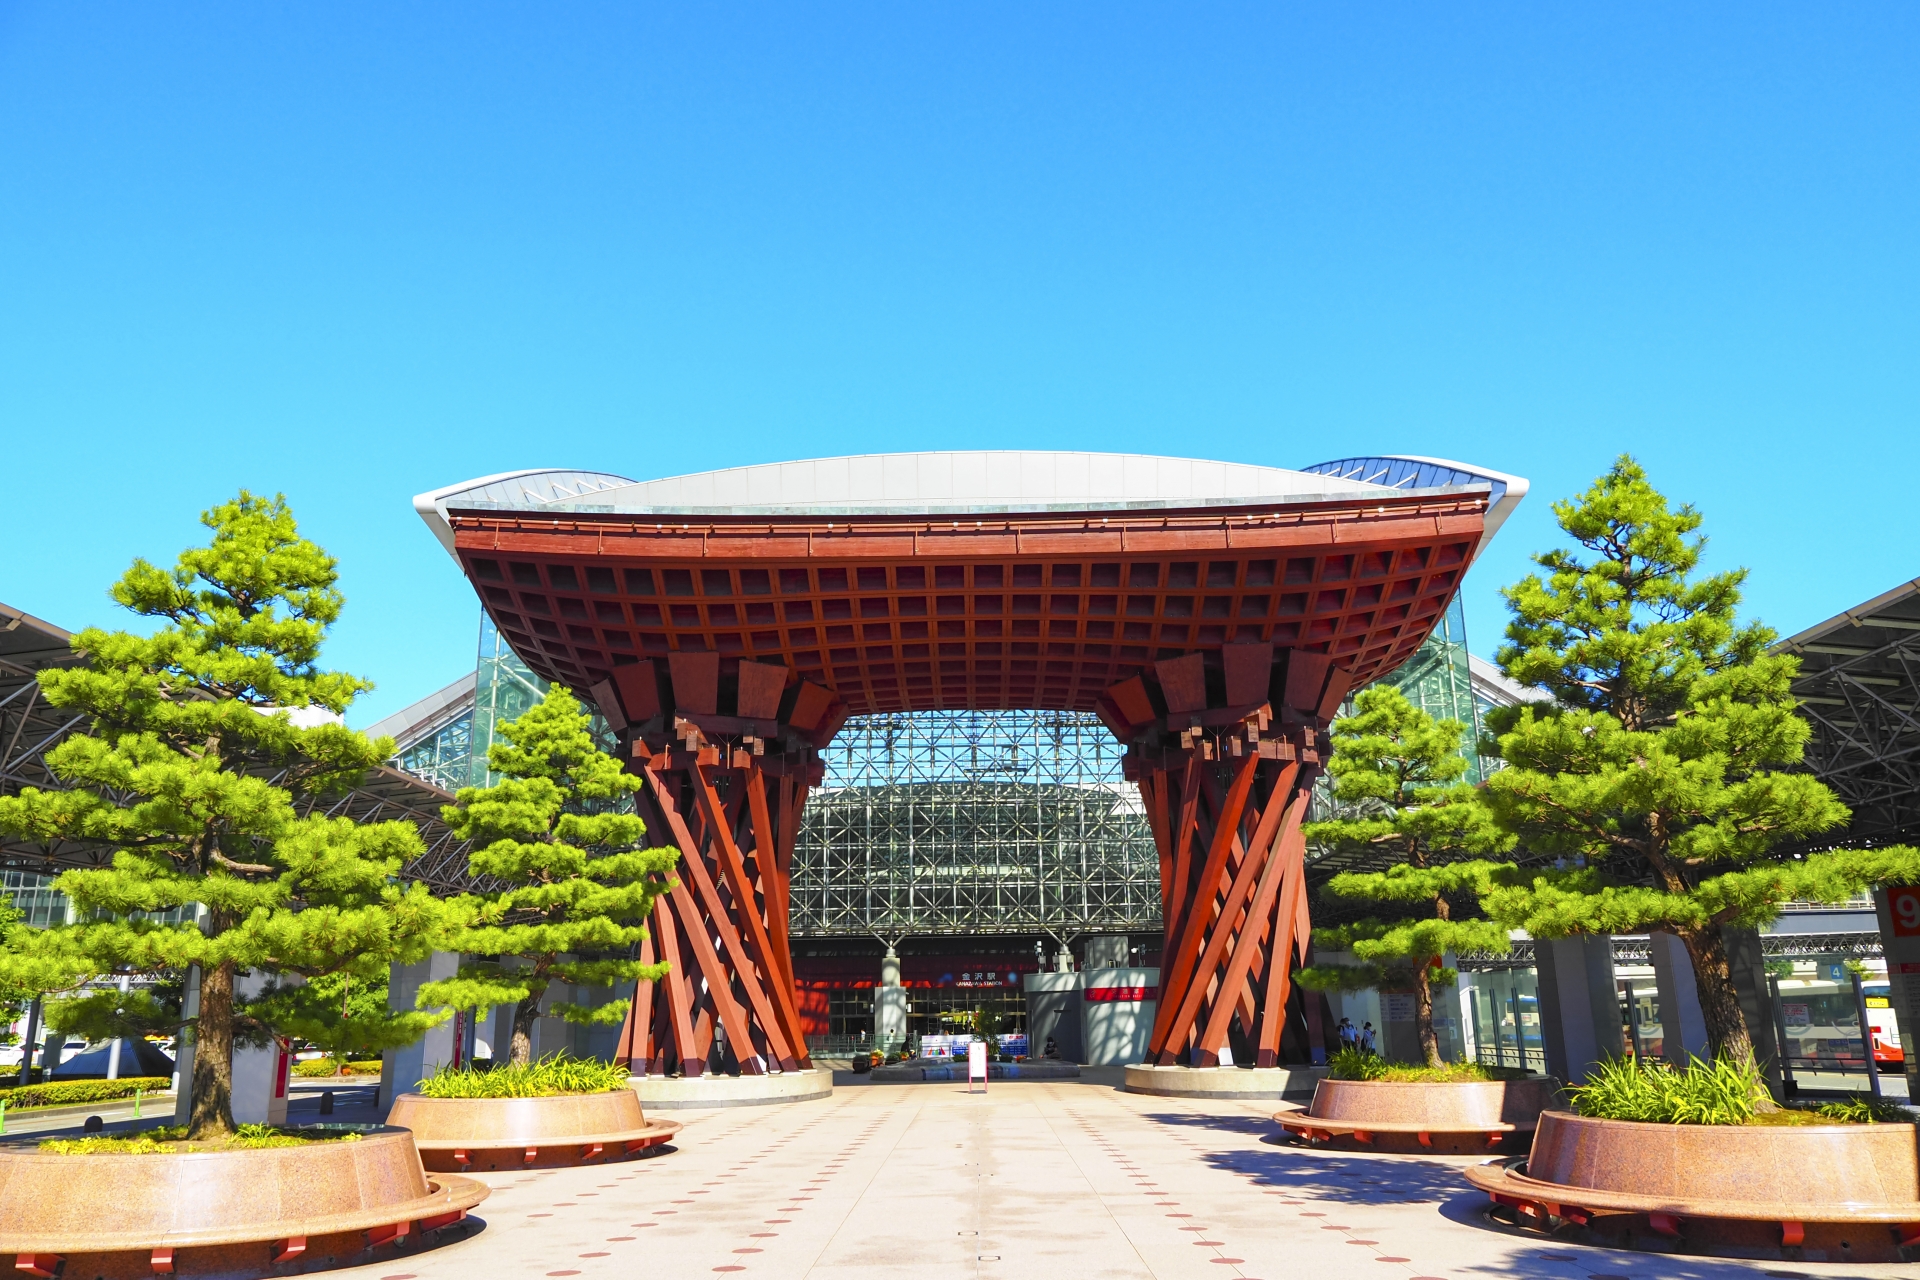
(1053, 1180)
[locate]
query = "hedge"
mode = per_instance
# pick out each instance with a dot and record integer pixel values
(64, 1093)
(325, 1067)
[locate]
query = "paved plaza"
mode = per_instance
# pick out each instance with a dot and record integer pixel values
(1046, 1181)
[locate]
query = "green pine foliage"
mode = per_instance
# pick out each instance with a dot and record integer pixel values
(343, 1013)
(1663, 774)
(1398, 769)
(576, 883)
(199, 774)
(542, 1078)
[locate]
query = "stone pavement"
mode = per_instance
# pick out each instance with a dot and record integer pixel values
(1045, 1180)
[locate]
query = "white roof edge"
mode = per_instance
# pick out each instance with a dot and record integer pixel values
(1498, 513)
(432, 505)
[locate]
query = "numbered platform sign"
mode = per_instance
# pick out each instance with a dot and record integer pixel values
(976, 1064)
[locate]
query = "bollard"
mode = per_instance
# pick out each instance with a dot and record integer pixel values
(3, 1115)
(136, 1102)
(326, 1102)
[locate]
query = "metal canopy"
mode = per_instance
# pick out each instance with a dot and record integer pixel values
(29, 728)
(1859, 686)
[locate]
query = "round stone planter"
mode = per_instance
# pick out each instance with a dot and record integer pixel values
(518, 1133)
(213, 1213)
(1397, 1115)
(1831, 1192)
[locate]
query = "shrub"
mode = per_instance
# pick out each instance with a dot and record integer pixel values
(1355, 1064)
(1358, 1064)
(328, 1067)
(63, 1093)
(1724, 1091)
(542, 1078)
(173, 1138)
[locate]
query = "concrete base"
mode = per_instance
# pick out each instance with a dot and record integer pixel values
(670, 1092)
(1222, 1082)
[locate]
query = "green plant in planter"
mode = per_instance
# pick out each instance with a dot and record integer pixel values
(1864, 1110)
(542, 1078)
(1723, 1091)
(1397, 770)
(1355, 1064)
(1358, 1064)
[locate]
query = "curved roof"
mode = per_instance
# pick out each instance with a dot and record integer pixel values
(951, 482)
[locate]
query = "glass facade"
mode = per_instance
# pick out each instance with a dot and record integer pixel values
(1504, 1027)
(445, 756)
(39, 903)
(503, 690)
(1438, 680)
(978, 822)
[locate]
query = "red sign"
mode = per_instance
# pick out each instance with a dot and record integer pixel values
(1904, 906)
(1115, 995)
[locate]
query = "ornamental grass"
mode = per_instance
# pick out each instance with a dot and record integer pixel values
(1358, 1064)
(542, 1078)
(172, 1139)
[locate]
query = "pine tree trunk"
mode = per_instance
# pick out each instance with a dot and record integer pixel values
(1727, 1034)
(524, 1015)
(1423, 1016)
(212, 1115)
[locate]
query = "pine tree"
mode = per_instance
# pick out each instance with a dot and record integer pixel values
(195, 772)
(1661, 776)
(1400, 770)
(576, 885)
(344, 1014)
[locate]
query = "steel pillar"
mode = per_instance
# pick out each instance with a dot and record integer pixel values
(1225, 749)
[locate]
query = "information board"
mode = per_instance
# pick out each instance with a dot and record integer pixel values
(977, 1064)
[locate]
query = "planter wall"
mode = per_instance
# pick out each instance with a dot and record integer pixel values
(1397, 1115)
(1840, 1166)
(219, 1212)
(518, 1133)
(1812, 1192)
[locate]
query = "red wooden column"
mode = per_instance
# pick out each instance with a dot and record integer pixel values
(728, 752)
(1225, 749)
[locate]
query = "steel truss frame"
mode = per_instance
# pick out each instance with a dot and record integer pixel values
(1859, 687)
(976, 822)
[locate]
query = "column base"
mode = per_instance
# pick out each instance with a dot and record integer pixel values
(1226, 1083)
(671, 1092)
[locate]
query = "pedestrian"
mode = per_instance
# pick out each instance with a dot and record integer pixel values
(1347, 1035)
(1366, 1037)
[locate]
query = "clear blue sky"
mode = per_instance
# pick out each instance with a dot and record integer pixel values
(356, 252)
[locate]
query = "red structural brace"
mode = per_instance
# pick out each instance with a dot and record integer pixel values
(727, 762)
(1224, 747)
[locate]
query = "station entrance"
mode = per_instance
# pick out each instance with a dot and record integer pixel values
(1210, 618)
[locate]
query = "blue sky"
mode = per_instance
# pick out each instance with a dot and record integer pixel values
(356, 252)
